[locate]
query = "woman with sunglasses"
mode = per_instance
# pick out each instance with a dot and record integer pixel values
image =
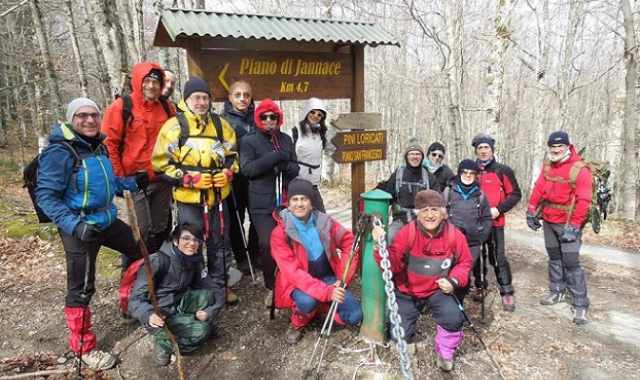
(310, 140)
(440, 173)
(268, 160)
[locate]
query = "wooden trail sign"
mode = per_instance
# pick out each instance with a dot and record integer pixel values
(360, 146)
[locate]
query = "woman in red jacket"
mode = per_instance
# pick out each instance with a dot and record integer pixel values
(429, 259)
(311, 250)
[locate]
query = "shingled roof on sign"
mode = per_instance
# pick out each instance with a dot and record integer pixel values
(201, 23)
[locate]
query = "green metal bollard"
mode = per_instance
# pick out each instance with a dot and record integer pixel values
(374, 300)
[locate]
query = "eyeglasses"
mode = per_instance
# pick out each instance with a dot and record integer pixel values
(316, 113)
(86, 115)
(191, 239)
(437, 155)
(271, 116)
(469, 172)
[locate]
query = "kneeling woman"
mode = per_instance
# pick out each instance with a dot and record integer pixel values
(305, 246)
(429, 260)
(190, 303)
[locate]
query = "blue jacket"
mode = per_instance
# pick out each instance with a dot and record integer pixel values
(69, 191)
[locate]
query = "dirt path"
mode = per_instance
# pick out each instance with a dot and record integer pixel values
(535, 342)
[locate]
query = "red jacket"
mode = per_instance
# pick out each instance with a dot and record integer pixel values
(134, 154)
(499, 184)
(418, 264)
(561, 193)
(293, 265)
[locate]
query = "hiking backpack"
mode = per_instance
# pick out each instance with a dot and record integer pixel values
(129, 278)
(30, 178)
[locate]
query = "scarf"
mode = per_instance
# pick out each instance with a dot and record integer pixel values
(430, 166)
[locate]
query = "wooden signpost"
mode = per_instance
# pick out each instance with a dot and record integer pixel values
(360, 146)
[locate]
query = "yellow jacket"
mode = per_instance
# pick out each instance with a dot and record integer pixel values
(201, 152)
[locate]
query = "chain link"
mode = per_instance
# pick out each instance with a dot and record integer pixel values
(394, 317)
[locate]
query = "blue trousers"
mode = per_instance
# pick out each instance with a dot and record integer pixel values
(349, 311)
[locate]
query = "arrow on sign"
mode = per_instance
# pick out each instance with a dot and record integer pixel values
(221, 77)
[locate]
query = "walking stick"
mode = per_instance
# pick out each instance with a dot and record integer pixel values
(477, 333)
(244, 236)
(327, 326)
(135, 228)
(218, 194)
(483, 287)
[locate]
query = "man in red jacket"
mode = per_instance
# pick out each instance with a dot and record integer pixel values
(130, 144)
(430, 259)
(499, 184)
(562, 196)
(311, 250)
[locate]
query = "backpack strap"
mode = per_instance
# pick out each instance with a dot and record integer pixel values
(184, 129)
(446, 194)
(294, 135)
(167, 109)
(574, 172)
(425, 177)
(217, 123)
(399, 175)
(76, 156)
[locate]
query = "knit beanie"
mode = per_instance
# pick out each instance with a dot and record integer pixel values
(78, 103)
(436, 146)
(299, 186)
(558, 137)
(156, 74)
(428, 198)
(468, 164)
(195, 84)
(483, 139)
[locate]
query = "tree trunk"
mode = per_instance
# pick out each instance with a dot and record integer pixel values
(102, 73)
(139, 23)
(576, 11)
(629, 163)
(50, 75)
(71, 26)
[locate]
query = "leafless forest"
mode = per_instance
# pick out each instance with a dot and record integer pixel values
(516, 68)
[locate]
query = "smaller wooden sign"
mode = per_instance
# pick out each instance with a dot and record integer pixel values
(358, 120)
(360, 146)
(360, 155)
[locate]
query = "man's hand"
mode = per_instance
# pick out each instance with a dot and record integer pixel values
(220, 180)
(142, 180)
(445, 285)
(202, 315)
(533, 221)
(155, 321)
(377, 233)
(86, 232)
(494, 213)
(570, 234)
(198, 180)
(338, 293)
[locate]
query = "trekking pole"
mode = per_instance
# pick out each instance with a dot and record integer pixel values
(483, 286)
(135, 229)
(84, 313)
(218, 194)
(327, 326)
(244, 236)
(477, 333)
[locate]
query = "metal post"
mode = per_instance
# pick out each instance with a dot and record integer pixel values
(373, 296)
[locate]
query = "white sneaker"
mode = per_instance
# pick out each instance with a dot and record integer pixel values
(99, 360)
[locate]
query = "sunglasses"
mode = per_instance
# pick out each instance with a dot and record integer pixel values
(271, 116)
(86, 115)
(437, 155)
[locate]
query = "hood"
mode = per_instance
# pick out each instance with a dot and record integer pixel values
(267, 105)
(138, 73)
(64, 132)
(313, 104)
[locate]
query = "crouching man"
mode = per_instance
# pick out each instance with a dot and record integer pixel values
(430, 259)
(311, 251)
(189, 302)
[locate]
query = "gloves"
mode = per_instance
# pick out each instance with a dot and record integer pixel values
(142, 180)
(222, 178)
(570, 234)
(200, 181)
(86, 232)
(533, 221)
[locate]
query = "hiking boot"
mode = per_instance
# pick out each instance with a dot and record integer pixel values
(99, 360)
(580, 316)
(509, 303)
(268, 299)
(444, 364)
(161, 358)
(293, 336)
(478, 294)
(552, 299)
(232, 297)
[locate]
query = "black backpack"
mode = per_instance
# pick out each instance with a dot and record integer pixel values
(30, 178)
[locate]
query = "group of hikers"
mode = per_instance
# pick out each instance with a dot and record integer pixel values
(193, 174)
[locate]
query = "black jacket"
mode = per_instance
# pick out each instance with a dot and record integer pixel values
(262, 164)
(242, 123)
(410, 183)
(172, 277)
(441, 178)
(472, 216)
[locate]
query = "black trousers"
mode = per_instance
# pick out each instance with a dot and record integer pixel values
(238, 202)
(81, 260)
(264, 226)
(443, 308)
(498, 259)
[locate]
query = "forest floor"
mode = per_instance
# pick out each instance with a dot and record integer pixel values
(535, 342)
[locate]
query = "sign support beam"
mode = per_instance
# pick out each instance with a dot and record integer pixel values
(357, 105)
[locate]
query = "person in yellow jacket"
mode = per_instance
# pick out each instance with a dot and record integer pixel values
(200, 165)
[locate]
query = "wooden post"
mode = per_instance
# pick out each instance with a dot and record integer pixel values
(194, 51)
(357, 105)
